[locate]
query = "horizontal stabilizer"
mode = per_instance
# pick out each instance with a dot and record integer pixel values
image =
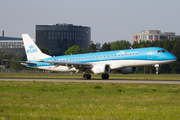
(21, 61)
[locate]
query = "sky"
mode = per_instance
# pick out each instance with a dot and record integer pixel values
(110, 20)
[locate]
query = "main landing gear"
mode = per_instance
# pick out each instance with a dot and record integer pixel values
(105, 76)
(88, 76)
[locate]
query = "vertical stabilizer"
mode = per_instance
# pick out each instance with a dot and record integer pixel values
(31, 49)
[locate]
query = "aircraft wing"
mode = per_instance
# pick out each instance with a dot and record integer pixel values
(20, 61)
(72, 64)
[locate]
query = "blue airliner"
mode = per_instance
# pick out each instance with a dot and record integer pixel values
(124, 61)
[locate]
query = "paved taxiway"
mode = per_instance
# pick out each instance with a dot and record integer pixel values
(94, 80)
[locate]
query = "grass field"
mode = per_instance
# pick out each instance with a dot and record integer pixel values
(79, 76)
(54, 101)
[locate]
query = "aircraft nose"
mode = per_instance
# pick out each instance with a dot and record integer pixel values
(172, 57)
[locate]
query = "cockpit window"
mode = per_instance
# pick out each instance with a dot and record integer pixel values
(163, 51)
(159, 51)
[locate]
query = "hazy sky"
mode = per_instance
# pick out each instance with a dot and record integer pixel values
(110, 20)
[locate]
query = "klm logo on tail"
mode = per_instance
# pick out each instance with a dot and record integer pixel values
(31, 49)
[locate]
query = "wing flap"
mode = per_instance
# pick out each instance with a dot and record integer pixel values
(74, 64)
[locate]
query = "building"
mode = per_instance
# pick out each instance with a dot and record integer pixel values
(150, 35)
(98, 46)
(59, 37)
(11, 45)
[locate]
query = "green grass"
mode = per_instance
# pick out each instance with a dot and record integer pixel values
(54, 101)
(79, 76)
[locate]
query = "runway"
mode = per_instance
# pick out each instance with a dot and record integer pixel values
(94, 80)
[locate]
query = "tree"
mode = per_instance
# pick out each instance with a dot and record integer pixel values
(106, 47)
(7, 63)
(92, 48)
(1, 60)
(166, 44)
(16, 66)
(175, 66)
(158, 43)
(45, 50)
(120, 45)
(74, 50)
(82, 50)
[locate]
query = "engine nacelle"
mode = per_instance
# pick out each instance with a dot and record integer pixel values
(101, 69)
(128, 70)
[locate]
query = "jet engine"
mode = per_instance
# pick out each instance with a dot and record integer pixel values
(101, 69)
(128, 70)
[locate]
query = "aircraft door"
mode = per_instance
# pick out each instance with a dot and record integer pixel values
(150, 54)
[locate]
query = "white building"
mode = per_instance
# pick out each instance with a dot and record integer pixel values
(150, 35)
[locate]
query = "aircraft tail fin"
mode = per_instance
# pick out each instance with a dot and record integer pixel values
(32, 50)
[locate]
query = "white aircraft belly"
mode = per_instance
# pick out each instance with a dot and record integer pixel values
(59, 68)
(115, 64)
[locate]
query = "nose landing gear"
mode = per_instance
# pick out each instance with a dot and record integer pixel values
(157, 69)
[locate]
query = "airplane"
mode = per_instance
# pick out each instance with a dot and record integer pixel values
(123, 61)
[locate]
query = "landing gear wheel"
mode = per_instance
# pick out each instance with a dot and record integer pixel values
(157, 71)
(105, 76)
(87, 76)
